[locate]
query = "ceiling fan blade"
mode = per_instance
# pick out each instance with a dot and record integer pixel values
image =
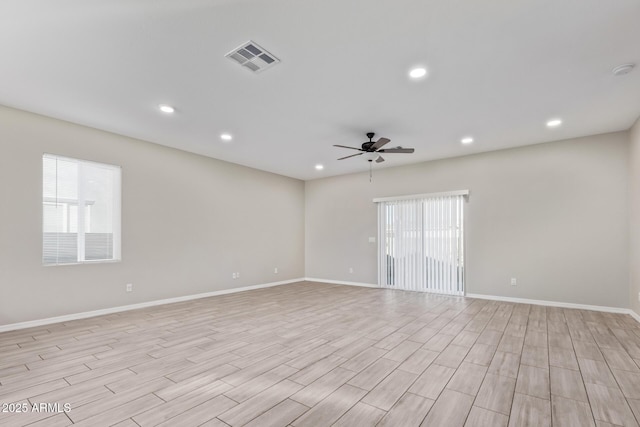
(380, 159)
(351, 148)
(379, 143)
(397, 150)
(353, 155)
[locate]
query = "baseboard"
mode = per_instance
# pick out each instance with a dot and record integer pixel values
(634, 315)
(341, 282)
(500, 298)
(554, 304)
(101, 312)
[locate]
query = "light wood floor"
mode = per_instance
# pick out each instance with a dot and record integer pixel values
(316, 355)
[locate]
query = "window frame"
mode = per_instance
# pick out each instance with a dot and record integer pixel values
(117, 218)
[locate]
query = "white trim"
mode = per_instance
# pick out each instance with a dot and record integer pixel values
(341, 282)
(94, 313)
(422, 196)
(601, 308)
(634, 315)
(380, 234)
(91, 261)
(553, 303)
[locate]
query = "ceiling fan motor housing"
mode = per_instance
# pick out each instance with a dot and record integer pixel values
(367, 145)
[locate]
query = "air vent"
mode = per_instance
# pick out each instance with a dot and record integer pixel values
(253, 57)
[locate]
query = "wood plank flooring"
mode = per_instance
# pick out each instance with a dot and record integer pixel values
(311, 354)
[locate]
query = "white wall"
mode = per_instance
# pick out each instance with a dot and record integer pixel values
(188, 222)
(634, 223)
(554, 216)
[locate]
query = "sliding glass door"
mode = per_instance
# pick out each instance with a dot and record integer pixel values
(421, 243)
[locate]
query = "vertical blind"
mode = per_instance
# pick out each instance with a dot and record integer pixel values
(80, 211)
(421, 243)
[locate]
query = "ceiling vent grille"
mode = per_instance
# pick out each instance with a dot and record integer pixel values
(253, 57)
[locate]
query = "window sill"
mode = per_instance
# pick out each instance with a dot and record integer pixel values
(108, 261)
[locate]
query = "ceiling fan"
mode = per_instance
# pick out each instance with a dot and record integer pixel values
(371, 149)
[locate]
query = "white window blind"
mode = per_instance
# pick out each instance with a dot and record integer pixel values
(421, 243)
(80, 211)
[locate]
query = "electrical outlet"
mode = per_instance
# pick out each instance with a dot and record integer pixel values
(372, 239)
(233, 276)
(237, 275)
(275, 270)
(129, 287)
(514, 281)
(351, 270)
(638, 296)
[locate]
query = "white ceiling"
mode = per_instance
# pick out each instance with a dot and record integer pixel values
(498, 70)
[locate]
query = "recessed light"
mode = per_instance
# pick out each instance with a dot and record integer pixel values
(166, 108)
(418, 73)
(319, 167)
(554, 123)
(466, 140)
(226, 137)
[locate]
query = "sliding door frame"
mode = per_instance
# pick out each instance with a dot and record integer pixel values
(425, 279)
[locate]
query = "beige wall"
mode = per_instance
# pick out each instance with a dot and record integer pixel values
(554, 216)
(188, 222)
(634, 202)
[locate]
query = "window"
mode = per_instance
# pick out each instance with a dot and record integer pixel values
(80, 211)
(421, 242)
